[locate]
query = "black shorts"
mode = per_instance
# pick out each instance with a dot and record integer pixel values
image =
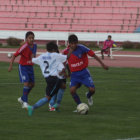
(53, 85)
(63, 81)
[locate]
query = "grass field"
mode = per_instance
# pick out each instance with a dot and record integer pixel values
(115, 114)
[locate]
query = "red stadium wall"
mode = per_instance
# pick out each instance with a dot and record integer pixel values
(117, 16)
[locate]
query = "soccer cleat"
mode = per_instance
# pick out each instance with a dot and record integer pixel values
(30, 110)
(52, 109)
(90, 100)
(25, 105)
(56, 106)
(50, 106)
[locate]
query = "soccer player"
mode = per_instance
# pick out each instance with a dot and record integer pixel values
(106, 46)
(78, 63)
(48, 63)
(26, 72)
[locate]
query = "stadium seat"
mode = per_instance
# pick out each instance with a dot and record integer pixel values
(82, 15)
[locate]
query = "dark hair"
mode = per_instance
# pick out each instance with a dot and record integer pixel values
(29, 33)
(73, 39)
(51, 46)
(109, 36)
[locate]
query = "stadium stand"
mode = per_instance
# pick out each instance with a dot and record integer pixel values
(106, 16)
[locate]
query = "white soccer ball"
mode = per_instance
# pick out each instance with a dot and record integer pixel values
(82, 108)
(9, 55)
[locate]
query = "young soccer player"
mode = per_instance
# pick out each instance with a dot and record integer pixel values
(48, 63)
(106, 46)
(26, 72)
(78, 63)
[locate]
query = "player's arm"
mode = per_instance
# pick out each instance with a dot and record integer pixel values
(68, 70)
(36, 60)
(92, 54)
(11, 63)
(13, 59)
(101, 62)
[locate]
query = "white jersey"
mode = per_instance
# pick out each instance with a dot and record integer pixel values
(59, 69)
(49, 62)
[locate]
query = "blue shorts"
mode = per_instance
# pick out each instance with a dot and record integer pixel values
(26, 73)
(81, 77)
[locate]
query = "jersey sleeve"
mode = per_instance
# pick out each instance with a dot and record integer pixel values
(88, 51)
(91, 53)
(34, 49)
(61, 58)
(20, 50)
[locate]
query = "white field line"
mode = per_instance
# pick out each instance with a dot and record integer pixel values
(6, 52)
(138, 138)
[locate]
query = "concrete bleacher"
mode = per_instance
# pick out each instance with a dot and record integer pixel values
(116, 16)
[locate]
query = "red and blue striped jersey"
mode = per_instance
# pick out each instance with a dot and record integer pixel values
(78, 60)
(26, 52)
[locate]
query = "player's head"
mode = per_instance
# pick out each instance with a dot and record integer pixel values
(30, 37)
(109, 37)
(52, 47)
(73, 41)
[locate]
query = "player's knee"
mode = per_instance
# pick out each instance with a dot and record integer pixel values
(72, 91)
(48, 97)
(92, 90)
(32, 85)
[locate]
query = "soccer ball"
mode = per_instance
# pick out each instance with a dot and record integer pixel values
(9, 55)
(82, 108)
(114, 45)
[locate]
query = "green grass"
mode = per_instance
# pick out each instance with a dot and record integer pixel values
(115, 114)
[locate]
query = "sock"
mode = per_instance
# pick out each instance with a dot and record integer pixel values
(89, 94)
(26, 91)
(40, 102)
(76, 98)
(52, 101)
(60, 96)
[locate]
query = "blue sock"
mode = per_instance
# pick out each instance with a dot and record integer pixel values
(89, 94)
(53, 99)
(26, 91)
(76, 98)
(60, 96)
(40, 102)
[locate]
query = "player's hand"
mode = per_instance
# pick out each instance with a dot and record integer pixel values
(10, 68)
(105, 67)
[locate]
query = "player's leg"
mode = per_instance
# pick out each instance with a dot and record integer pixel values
(108, 52)
(52, 88)
(74, 85)
(38, 104)
(90, 94)
(60, 94)
(102, 53)
(25, 79)
(75, 95)
(52, 103)
(31, 83)
(88, 82)
(27, 74)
